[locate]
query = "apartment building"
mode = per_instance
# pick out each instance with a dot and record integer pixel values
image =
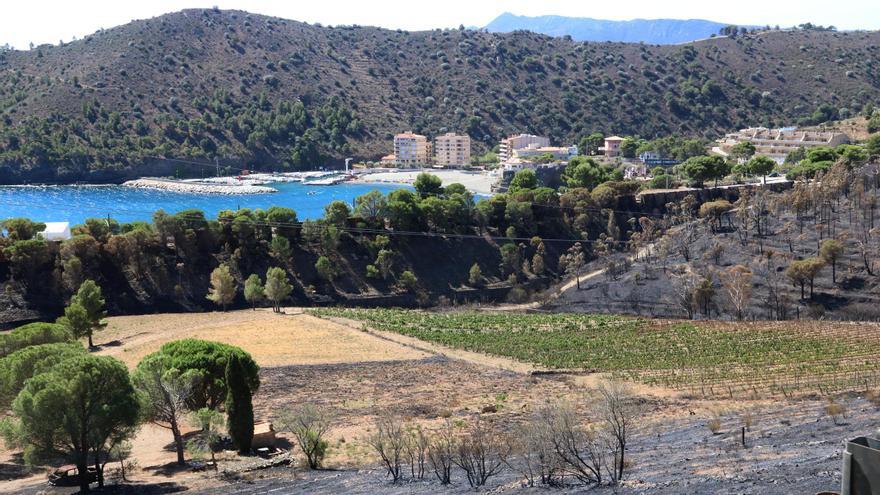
(411, 150)
(452, 150)
(778, 143)
(512, 143)
(533, 152)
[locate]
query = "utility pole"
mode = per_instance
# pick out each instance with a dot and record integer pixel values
(217, 163)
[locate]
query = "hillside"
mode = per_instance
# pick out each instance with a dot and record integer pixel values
(269, 93)
(653, 31)
(739, 264)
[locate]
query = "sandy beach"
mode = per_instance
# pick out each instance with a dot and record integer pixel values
(476, 182)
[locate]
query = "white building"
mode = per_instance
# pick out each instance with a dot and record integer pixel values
(529, 157)
(778, 143)
(512, 143)
(56, 231)
(533, 152)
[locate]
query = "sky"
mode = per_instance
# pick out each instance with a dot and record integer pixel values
(41, 21)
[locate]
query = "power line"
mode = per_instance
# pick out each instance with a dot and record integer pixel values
(372, 231)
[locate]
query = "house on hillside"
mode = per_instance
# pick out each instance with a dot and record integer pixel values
(612, 146)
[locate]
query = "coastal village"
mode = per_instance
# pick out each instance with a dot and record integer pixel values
(450, 157)
(453, 152)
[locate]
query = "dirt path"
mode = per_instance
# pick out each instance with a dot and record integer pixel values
(558, 291)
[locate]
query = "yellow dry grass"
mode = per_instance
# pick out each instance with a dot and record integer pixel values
(272, 340)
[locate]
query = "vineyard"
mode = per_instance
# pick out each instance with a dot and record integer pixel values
(703, 358)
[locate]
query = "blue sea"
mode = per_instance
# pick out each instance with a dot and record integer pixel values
(125, 204)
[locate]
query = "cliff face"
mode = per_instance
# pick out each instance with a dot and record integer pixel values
(266, 93)
(158, 279)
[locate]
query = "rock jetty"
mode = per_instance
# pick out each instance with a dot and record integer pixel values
(197, 188)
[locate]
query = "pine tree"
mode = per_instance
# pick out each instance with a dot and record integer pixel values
(85, 313)
(277, 287)
(253, 290)
(222, 291)
(239, 409)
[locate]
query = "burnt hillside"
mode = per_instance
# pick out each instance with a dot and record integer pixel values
(275, 93)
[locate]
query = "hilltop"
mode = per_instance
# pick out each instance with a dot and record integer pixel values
(270, 93)
(654, 31)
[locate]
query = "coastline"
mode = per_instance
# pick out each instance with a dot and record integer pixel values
(476, 182)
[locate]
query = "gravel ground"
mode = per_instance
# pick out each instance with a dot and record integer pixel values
(791, 449)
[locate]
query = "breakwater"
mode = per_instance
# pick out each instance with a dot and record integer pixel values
(197, 187)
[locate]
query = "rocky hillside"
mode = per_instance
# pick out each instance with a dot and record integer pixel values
(264, 93)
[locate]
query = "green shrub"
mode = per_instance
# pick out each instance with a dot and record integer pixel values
(209, 359)
(33, 334)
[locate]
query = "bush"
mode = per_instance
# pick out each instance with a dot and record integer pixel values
(33, 334)
(517, 295)
(664, 181)
(714, 424)
(308, 424)
(325, 269)
(389, 442)
(481, 454)
(836, 410)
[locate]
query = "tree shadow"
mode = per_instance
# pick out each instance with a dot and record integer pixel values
(144, 488)
(16, 469)
(172, 447)
(853, 283)
(169, 469)
(830, 302)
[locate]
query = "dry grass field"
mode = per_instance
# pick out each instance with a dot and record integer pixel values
(273, 340)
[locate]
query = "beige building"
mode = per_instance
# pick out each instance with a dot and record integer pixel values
(411, 150)
(612, 146)
(510, 144)
(778, 143)
(388, 160)
(452, 150)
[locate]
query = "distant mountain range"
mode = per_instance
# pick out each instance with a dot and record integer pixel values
(654, 31)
